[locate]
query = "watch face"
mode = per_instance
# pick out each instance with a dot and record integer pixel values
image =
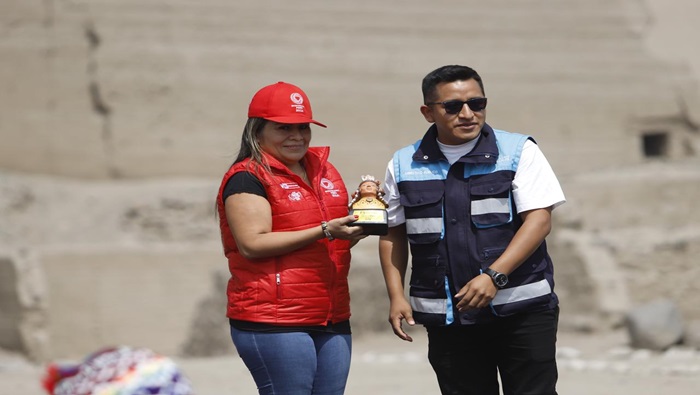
(500, 279)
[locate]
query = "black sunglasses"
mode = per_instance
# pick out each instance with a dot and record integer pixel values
(455, 106)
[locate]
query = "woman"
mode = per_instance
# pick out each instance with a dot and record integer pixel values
(283, 217)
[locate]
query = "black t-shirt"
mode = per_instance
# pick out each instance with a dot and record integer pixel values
(245, 182)
(342, 327)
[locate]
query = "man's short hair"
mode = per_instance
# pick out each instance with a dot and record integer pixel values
(449, 73)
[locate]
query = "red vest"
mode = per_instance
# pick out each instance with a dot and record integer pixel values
(308, 286)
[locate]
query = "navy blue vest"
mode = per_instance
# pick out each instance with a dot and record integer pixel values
(459, 220)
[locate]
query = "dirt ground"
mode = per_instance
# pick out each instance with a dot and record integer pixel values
(589, 364)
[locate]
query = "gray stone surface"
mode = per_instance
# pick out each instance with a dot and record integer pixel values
(23, 305)
(655, 326)
(118, 117)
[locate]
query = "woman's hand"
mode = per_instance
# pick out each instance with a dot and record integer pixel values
(339, 228)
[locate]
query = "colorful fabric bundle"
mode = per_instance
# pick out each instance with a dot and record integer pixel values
(118, 371)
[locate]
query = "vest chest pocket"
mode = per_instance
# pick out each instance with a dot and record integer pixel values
(423, 211)
(491, 204)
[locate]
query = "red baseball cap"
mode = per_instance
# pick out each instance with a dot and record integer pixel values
(283, 103)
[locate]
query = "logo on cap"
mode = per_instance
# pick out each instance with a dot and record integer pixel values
(298, 101)
(297, 98)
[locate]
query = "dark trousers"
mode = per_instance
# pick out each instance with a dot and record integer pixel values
(467, 359)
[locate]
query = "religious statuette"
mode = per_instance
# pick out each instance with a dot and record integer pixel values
(369, 205)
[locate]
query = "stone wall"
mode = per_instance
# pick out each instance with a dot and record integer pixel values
(118, 117)
(23, 304)
(161, 89)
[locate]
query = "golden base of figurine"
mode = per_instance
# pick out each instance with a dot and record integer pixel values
(373, 221)
(369, 205)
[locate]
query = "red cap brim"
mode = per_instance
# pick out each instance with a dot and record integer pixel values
(292, 119)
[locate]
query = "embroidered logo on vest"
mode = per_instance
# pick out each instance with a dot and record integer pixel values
(329, 187)
(289, 185)
(295, 196)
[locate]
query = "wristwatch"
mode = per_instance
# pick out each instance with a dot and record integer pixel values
(499, 279)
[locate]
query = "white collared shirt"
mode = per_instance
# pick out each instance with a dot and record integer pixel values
(535, 185)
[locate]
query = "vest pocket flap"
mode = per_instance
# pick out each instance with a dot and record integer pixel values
(490, 204)
(428, 275)
(423, 210)
(490, 189)
(421, 197)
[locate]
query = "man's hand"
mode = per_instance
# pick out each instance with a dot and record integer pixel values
(477, 293)
(401, 310)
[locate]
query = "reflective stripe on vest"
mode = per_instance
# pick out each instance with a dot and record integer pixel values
(522, 292)
(425, 305)
(424, 225)
(434, 306)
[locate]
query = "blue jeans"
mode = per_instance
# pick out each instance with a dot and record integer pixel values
(295, 363)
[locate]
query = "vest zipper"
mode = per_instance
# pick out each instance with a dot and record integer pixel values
(278, 278)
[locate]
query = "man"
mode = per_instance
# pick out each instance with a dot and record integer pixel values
(474, 205)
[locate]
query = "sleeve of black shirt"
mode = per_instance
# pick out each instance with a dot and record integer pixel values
(244, 182)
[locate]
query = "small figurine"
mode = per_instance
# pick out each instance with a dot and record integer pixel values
(369, 205)
(368, 194)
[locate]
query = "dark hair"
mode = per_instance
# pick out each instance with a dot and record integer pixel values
(448, 73)
(250, 148)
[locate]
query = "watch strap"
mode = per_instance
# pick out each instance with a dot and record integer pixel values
(494, 274)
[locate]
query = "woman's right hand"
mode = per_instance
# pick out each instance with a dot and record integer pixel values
(339, 228)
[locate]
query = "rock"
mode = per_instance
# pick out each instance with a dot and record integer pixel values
(655, 326)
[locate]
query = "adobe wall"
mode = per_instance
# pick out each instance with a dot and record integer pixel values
(111, 296)
(139, 262)
(23, 304)
(137, 90)
(117, 118)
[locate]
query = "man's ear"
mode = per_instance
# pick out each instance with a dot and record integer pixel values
(427, 112)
